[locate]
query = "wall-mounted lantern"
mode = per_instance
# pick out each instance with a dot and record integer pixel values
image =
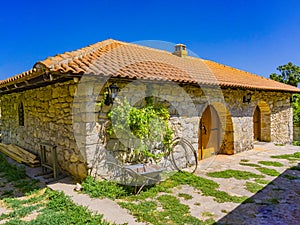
(247, 98)
(112, 94)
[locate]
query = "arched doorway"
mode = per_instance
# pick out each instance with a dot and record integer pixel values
(262, 122)
(209, 133)
(256, 124)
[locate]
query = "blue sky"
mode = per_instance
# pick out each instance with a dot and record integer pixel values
(256, 36)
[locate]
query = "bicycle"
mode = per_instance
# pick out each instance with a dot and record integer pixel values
(183, 155)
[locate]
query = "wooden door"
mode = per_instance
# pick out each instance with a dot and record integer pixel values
(209, 133)
(256, 124)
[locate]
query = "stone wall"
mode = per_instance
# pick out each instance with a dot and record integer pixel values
(48, 119)
(66, 115)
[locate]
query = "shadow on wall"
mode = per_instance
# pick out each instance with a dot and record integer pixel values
(277, 203)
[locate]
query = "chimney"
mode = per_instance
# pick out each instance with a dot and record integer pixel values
(180, 50)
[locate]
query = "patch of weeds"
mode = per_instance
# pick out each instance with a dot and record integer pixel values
(206, 186)
(207, 214)
(296, 143)
(295, 168)
(53, 208)
(15, 222)
(224, 211)
(20, 212)
(237, 174)
(290, 157)
(27, 185)
(143, 211)
(197, 203)
(173, 211)
(290, 177)
(252, 215)
(273, 201)
(244, 160)
(33, 198)
(250, 164)
(261, 181)
(278, 189)
(279, 144)
(7, 194)
(253, 187)
(59, 209)
(248, 201)
(11, 172)
(103, 189)
(185, 196)
(269, 172)
(152, 191)
(177, 213)
(271, 163)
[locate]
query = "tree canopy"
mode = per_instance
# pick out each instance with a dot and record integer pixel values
(289, 74)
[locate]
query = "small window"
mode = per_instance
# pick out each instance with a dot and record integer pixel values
(21, 114)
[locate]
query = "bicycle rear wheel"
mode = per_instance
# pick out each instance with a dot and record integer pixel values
(183, 155)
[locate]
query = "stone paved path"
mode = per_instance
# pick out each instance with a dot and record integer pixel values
(111, 210)
(278, 203)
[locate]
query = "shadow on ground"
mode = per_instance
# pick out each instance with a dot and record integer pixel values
(277, 203)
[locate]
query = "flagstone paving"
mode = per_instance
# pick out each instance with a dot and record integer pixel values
(277, 203)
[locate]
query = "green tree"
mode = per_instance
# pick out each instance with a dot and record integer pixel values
(289, 74)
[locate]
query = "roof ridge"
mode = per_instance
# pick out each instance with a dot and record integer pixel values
(50, 61)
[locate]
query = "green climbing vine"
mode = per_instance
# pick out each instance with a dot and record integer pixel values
(148, 125)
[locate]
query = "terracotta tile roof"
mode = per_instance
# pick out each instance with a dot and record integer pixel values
(120, 59)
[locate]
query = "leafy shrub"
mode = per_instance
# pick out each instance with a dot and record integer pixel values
(103, 189)
(149, 125)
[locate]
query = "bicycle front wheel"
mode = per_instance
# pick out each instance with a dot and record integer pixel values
(183, 155)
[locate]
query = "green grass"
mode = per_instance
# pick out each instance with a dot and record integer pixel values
(253, 187)
(103, 189)
(207, 214)
(173, 212)
(53, 208)
(115, 191)
(261, 181)
(244, 160)
(296, 143)
(295, 168)
(273, 201)
(16, 176)
(290, 157)
(250, 164)
(271, 163)
(237, 174)
(269, 172)
(206, 186)
(185, 196)
(290, 177)
(11, 172)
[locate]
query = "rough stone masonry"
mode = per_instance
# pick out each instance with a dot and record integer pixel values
(50, 112)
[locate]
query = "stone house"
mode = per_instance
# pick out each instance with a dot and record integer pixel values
(219, 109)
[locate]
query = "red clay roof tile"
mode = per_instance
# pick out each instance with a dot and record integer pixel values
(120, 59)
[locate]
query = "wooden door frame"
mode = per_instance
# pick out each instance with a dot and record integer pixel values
(257, 113)
(200, 142)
